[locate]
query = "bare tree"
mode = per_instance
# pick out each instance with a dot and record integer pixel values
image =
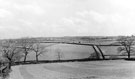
(127, 45)
(26, 45)
(38, 49)
(59, 54)
(10, 51)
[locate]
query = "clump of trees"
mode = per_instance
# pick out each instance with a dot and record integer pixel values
(127, 46)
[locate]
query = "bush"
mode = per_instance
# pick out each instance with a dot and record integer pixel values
(94, 56)
(4, 68)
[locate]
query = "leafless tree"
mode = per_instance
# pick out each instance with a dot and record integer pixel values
(26, 46)
(127, 45)
(10, 51)
(59, 54)
(39, 49)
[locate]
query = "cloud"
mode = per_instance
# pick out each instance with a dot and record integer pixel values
(30, 8)
(125, 4)
(98, 23)
(74, 21)
(97, 16)
(100, 17)
(5, 13)
(66, 17)
(73, 26)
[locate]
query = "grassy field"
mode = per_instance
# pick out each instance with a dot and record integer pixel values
(106, 69)
(69, 51)
(110, 69)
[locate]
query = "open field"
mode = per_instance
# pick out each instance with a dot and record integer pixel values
(110, 69)
(69, 51)
(102, 69)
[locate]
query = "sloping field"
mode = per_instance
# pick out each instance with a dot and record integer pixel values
(110, 50)
(68, 51)
(111, 69)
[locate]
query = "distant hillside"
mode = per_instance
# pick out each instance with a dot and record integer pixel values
(74, 39)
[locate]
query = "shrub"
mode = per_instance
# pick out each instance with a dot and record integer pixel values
(94, 55)
(4, 68)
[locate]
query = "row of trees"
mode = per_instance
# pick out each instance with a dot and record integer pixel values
(14, 50)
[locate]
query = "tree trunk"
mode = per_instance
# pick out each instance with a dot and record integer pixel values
(10, 64)
(129, 55)
(25, 58)
(101, 52)
(36, 57)
(128, 52)
(59, 56)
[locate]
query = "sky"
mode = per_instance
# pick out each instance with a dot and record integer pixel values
(49, 18)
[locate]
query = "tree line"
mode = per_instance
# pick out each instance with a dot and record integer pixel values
(12, 51)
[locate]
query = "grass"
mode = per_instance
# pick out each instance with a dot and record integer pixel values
(68, 52)
(25, 73)
(73, 52)
(107, 69)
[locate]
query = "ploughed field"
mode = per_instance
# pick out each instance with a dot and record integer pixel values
(107, 69)
(68, 51)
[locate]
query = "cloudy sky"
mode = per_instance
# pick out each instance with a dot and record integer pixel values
(46, 18)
